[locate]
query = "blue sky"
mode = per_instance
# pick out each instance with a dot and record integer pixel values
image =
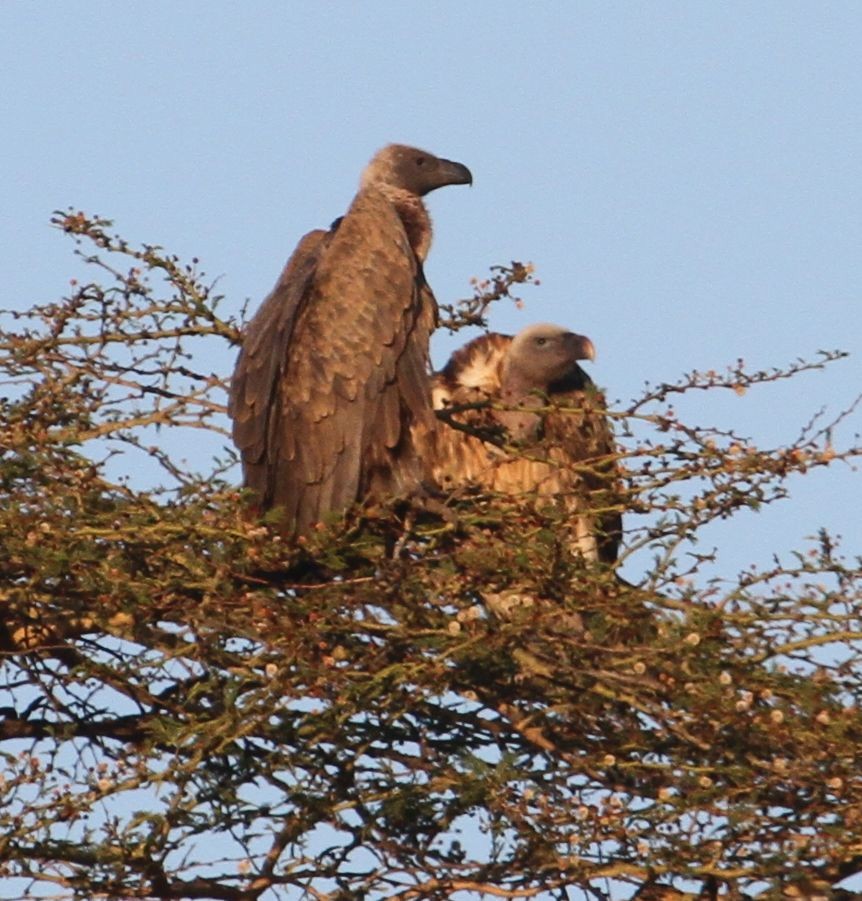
(686, 176)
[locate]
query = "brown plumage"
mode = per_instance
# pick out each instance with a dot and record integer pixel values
(332, 380)
(547, 433)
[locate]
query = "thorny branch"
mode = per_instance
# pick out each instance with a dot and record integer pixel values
(193, 708)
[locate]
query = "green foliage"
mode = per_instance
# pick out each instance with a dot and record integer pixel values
(402, 705)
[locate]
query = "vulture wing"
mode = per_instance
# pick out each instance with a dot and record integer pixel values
(254, 386)
(333, 374)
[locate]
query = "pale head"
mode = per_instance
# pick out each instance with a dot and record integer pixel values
(412, 170)
(542, 354)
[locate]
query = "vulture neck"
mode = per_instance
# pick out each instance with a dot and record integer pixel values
(518, 391)
(415, 219)
(515, 385)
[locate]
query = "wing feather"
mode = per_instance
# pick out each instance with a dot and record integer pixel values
(254, 386)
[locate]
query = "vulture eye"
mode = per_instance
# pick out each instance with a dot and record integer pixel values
(541, 341)
(420, 160)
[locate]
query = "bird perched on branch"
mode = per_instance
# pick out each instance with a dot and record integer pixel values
(332, 383)
(520, 417)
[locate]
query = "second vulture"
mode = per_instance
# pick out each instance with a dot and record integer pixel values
(528, 422)
(331, 389)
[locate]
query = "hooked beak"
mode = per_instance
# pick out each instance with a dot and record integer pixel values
(452, 173)
(584, 348)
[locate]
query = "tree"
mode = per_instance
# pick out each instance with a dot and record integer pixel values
(403, 705)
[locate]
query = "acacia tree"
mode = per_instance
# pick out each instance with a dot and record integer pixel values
(401, 706)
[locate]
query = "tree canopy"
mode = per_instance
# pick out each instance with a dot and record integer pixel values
(404, 705)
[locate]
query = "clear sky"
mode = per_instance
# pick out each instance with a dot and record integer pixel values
(686, 176)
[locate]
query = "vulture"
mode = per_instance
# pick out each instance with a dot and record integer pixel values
(332, 386)
(520, 417)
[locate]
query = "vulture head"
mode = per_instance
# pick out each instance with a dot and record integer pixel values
(540, 359)
(540, 355)
(412, 170)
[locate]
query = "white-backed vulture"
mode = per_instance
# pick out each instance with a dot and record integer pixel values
(332, 381)
(548, 435)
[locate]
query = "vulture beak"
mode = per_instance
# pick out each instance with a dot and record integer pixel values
(584, 348)
(452, 173)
